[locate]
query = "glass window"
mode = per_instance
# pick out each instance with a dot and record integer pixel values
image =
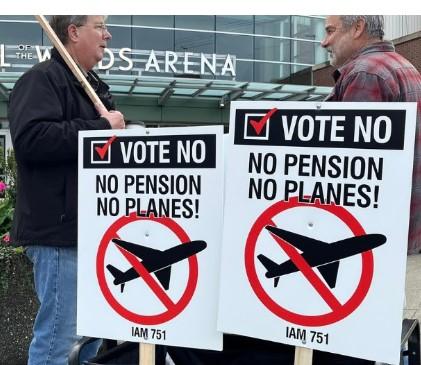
(194, 42)
(45, 40)
(319, 28)
(119, 19)
(21, 33)
(320, 52)
(235, 23)
(121, 37)
(243, 70)
(203, 22)
(276, 25)
(272, 49)
(303, 52)
(20, 40)
(17, 17)
(305, 27)
(157, 39)
(238, 45)
(270, 72)
(154, 20)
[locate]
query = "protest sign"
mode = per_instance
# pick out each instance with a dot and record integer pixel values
(149, 233)
(317, 204)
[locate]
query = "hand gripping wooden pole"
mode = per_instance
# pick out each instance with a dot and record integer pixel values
(303, 356)
(68, 59)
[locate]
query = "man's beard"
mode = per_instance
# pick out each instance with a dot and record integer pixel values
(331, 57)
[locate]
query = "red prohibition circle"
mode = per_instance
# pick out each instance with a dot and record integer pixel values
(300, 319)
(173, 311)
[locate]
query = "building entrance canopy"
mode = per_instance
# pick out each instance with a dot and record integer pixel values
(223, 90)
(162, 92)
(164, 88)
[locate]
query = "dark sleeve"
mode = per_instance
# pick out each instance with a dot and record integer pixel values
(39, 130)
(364, 86)
(105, 96)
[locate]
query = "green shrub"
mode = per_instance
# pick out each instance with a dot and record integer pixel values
(7, 193)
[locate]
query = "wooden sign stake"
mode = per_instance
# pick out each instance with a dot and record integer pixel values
(146, 354)
(68, 59)
(303, 356)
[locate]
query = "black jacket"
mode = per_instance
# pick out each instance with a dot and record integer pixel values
(47, 108)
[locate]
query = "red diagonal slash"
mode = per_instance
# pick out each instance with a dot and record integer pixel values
(308, 272)
(147, 277)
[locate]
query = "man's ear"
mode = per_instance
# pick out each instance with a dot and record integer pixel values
(359, 28)
(73, 33)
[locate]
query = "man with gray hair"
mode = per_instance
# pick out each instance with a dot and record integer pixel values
(47, 109)
(369, 70)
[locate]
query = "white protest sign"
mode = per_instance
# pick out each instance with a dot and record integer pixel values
(316, 219)
(149, 235)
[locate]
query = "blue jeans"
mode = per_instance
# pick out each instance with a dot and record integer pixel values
(54, 333)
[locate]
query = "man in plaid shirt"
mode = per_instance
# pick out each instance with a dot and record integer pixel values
(369, 69)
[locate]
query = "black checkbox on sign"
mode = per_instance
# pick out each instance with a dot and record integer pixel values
(98, 154)
(256, 127)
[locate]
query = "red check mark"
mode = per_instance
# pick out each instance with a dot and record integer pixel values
(102, 151)
(258, 125)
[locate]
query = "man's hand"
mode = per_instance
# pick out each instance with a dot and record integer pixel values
(115, 118)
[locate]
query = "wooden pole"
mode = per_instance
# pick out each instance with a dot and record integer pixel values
(146, 354)
(68, 59)
(303, 356)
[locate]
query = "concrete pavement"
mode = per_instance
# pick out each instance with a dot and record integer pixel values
(413, 287)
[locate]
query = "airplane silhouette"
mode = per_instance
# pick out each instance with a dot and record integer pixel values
(322, 255)
(155, 261)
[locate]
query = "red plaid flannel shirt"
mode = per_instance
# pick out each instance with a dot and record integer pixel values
(378, 73)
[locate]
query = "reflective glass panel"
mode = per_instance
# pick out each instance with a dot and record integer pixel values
(237, 45)
(20, 33)
(272, 49)
(154, 20)
(18, 17)
(157, 39)
(121, 37)
(204, 22)
(276, 25)
(244, 72)
(307, 27)
(303, 52)
(235, 23)
(19, 40)
(194, 42)
(270, 72)
(119, 19)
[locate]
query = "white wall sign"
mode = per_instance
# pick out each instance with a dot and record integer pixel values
(150, 224)
(316, 225)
